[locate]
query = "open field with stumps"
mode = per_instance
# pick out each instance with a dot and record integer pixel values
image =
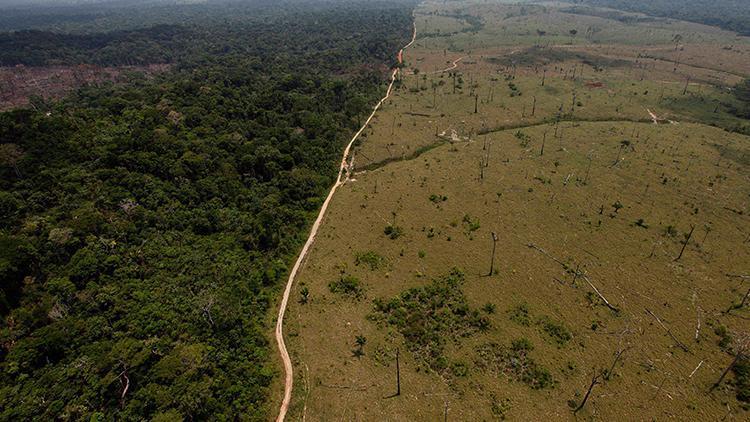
(548, 219)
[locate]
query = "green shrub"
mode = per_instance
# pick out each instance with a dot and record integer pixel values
(742, 380)
(725, 339)
(520, 315)
(515, 362)
(429, 316)
(347, 285)
(438, 198)
(555, 330)
(369, 258)
(394, 232)
(471, 225)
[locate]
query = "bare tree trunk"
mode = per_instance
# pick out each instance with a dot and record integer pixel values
(126, 386)
(684, 244)
(398, 375)
(594, 381)
(492, 262)
(726, 371)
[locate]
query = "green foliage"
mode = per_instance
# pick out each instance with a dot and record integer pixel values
(371, 259)
(347, 285)
(471, 225)
(725, 339)
(515, 362)
(555, 330)
(459, 369)
(499, 408)
(742, 95)
(359, 350)
(521, 315)
(523, 138)
(438, 198)
(146, 225)
(430, 316)
(304, 295)
(742, 380)
(393, 232)
(729, 14)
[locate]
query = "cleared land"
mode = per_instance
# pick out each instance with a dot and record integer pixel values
(595, 148)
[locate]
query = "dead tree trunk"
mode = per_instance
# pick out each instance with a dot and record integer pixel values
(398, 375)
(619, 354)
(680, 344)
(492, 262)
(594, 381)
(726, 371)
(685, 243)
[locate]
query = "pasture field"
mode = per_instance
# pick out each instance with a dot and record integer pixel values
(601, 151)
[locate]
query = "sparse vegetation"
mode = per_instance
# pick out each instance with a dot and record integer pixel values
(515, 362)
(393, 232)
(521, 315)
(592, 164)
(430, 316)
(555, 330)
(370, 259)
(347, 285)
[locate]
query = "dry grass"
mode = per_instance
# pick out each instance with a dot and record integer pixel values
(619, 224)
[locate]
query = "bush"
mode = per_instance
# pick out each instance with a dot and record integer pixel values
(742, 380)
(471, 224)
(515, 362)
(429, 316)
(520, 315)
(555, 330)
(394, 232)
(370, 258)
(347, 285)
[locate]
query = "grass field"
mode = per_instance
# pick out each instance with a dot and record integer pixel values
(590, 156)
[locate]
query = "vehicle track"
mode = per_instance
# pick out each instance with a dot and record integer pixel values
(288, 370)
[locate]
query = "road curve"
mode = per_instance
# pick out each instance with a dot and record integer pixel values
(289, 374)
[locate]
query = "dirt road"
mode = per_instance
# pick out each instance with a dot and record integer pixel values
(289, 374)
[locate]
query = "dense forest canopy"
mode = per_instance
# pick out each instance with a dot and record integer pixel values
(733, 15)
(144, 227)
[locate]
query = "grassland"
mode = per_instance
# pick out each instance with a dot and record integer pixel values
(591, 156)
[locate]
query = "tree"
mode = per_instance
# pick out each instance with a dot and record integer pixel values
(10, 155)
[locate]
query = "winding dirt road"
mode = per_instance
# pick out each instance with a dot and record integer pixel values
(453, 65)
(289, 374)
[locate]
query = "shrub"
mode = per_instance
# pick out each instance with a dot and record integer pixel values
(520, 315)
(742, 380)
(394, 232)
(471, 225)
(438, 198)
(370, 258)
(555, 330)
(515, 362)
(347, 285)
(429, 316)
